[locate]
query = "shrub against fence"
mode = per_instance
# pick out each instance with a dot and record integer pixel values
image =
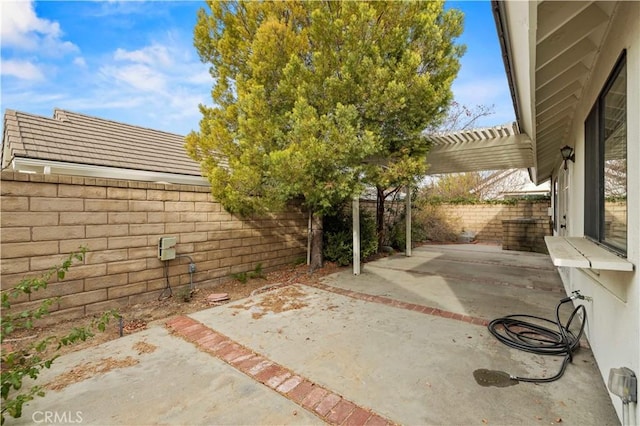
(338, 236)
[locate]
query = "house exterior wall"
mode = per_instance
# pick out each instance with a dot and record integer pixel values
(613, 327)
(45, 217)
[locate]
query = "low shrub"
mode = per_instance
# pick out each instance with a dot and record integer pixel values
(338, 237)
(243, 277)
(428, 223)
(28, 362)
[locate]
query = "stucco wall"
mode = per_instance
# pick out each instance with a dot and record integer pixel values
(614, 314)
(45, 217)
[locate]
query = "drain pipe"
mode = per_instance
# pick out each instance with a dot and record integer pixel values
(192, 269)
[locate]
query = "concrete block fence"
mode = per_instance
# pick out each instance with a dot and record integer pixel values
(46, 217)
(486, 220)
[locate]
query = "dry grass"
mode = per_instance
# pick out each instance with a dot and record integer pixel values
(88, 370)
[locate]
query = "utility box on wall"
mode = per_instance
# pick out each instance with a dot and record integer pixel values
(166, 248)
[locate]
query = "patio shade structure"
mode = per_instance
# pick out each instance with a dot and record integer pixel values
(494, 148)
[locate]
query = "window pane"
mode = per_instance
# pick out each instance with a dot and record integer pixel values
(615, 162)
(593, 175)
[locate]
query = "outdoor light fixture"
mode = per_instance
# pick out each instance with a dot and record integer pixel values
(567, 154)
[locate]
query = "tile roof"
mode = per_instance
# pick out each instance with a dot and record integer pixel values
(76, 138)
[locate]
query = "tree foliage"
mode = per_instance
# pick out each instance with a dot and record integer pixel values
(452, 186)
(305, 92)
(314, 99)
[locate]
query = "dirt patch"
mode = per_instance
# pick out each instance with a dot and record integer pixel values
(144, 348)
(88, 370)
(281, 300)
(133, 325)
(138, 317)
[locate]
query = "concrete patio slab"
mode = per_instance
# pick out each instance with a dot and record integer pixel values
(174, 384)
(475, 280)
(397, 344)
(410, 367)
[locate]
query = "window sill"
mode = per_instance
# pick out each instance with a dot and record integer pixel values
(578, 252)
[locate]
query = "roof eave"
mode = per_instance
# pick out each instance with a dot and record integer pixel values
(31, 165)
(517, 42)
(497, 8)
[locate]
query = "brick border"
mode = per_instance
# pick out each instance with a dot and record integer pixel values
(428, 310)
(328, 405)
(411, 306)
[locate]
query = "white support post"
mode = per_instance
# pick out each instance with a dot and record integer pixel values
(356, 236)
(309, 236)
(407, 215)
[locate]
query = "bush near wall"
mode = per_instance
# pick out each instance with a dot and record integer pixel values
(338, 236)
(46, 217)
(429, 223)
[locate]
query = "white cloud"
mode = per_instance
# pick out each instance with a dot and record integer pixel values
(154, 68)
(23, 70)
(162, 77)
(121, 7)
(137, 76)
(156, 55)
(147, 69)
(89, 103)
(21, 28)
(158, 84)
(79, 61)
(201, 77)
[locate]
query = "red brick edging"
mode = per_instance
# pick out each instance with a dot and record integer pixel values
(412, 307)
(402, 305)
(322, 402)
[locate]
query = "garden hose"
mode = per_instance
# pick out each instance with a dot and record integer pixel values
(167, 292)
(517, 331)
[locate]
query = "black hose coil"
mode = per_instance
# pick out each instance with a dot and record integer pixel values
(517, 331)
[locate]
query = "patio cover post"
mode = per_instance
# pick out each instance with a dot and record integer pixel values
(356, 235)
(407, 199)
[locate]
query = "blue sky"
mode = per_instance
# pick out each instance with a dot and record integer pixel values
(133, 61)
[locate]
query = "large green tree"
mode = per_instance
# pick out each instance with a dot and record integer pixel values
(314, 99)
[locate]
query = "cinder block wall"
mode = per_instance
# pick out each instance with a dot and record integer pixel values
(525, 234)
(486, 219)
(45, 217)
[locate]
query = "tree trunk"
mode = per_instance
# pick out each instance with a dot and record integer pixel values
(380, 217)
(316, 243)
